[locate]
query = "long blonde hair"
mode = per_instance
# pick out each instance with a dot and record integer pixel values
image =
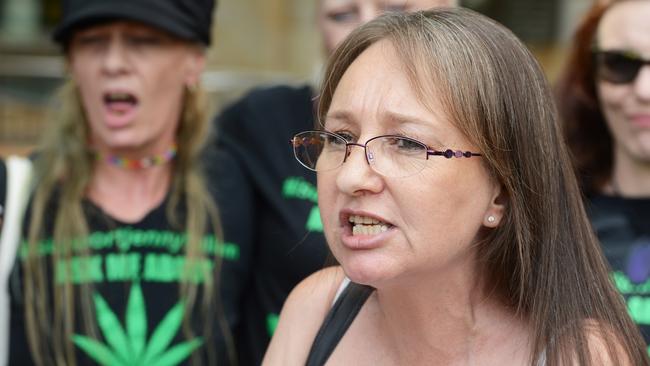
(543, 260)
(63, 169)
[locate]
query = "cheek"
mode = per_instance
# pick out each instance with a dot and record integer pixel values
(612, 100)
(84, 77)
(165, 84)
(451, 208)
(171, 73)
(327, 193)
(612, 97)
(90, 94)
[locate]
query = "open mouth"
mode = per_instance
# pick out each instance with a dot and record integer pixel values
(120, 103)
(364, 225)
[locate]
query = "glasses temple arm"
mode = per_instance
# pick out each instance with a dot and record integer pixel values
(449, 153)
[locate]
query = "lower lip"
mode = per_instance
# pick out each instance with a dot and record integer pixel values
(120, 116)
(641, 121)
(365, 242)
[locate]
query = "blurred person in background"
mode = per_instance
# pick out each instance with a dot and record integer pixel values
(604, 99)
(267, 201)
(448, 197)
(121, 245)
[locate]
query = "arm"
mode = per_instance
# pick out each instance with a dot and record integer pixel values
(301, 317)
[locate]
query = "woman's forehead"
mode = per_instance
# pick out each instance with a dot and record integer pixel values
(123, 25)
(625, 25)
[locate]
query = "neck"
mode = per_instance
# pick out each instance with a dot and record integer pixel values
(136, 161)
(129, 194)
(449, 318)
(630, 177)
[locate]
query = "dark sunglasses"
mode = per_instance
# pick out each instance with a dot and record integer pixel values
(618, 67)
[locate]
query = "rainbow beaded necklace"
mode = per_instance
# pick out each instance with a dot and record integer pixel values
(146, 162)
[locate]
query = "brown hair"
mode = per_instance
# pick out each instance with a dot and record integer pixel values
(63, 170)
(585, 127)
(543, 260)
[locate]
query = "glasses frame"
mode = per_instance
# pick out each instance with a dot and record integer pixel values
(630, 56)
(446, 153)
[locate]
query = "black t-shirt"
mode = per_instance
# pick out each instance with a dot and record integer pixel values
(623, 227)
(134, 272)
(268, 204)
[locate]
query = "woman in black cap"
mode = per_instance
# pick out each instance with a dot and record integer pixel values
(120, 245)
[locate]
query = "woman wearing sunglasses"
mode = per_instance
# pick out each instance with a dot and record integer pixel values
(449, 200)
(604, 99)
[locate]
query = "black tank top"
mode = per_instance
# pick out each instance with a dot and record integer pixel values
(337, 322)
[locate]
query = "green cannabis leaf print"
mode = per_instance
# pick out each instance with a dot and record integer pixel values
(130, 347)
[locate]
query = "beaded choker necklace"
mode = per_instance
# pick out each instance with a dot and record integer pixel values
(146, 162)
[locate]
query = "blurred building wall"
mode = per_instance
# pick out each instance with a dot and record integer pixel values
(256, 42)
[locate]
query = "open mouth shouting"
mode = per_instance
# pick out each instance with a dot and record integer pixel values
(362, 231)
(364, 225)
(120, 107)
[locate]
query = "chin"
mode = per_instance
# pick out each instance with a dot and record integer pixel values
(367, 269)
(120, 141)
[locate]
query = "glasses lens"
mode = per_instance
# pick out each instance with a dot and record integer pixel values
(395, 156)
(319, 150)
(617, 67)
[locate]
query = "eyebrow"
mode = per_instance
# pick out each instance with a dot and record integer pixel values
(392, 117)
(399, 118)
(393, 120)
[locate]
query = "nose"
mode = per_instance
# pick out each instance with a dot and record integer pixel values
(116, 57)
(356, 177)
(642, 83)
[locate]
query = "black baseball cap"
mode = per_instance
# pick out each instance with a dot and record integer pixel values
(186, 19)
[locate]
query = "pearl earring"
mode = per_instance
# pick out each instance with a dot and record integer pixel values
(491, 219)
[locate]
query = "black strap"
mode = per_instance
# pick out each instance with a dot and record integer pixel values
(337, 322)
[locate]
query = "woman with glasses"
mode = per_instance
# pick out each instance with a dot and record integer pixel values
(604, 98)
(120, 252)
(448, 198)
(268, 202)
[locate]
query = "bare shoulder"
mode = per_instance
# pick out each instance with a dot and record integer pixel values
(605, 345)
(301, 317)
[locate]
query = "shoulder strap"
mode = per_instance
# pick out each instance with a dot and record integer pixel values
(337, 322)
(19, 171)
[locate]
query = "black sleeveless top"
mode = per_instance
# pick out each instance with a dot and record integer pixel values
(337, 322)
(340, 317)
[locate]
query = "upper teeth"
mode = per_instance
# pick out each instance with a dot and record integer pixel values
(119, 96)
(355, 219)
(363, 225)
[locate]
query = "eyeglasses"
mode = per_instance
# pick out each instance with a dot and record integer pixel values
(389, 155)
(618, 67)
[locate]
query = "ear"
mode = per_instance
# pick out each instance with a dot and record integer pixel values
(497, 207)
(195, 66)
